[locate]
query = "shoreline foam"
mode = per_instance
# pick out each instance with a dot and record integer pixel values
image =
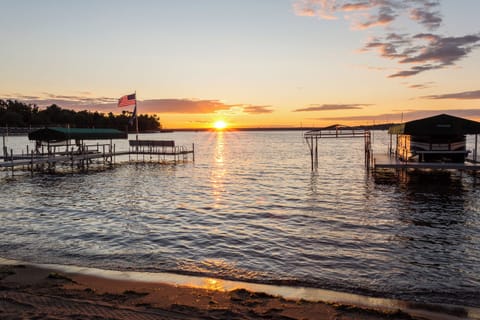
(108, 281)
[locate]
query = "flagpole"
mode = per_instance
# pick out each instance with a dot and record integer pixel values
(136, 115)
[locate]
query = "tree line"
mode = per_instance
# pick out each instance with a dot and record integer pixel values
(14, 113)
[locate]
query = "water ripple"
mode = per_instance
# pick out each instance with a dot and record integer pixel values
(250, 209)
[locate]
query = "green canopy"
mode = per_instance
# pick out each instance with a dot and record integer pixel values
(61, 134)
(440, 125)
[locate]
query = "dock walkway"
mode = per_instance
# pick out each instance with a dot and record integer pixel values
(139, 151)
(385, 161)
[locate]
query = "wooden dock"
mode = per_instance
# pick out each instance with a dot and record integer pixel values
(70, 159)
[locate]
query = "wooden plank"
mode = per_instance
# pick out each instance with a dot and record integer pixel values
(151, 143)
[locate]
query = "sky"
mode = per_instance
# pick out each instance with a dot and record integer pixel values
(252, 63)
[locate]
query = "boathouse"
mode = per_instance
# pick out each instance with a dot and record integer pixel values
(440, 138)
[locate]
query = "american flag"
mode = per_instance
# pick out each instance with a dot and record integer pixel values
(127, 100)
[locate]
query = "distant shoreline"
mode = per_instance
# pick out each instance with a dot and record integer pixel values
(16, 131)
(372, 127)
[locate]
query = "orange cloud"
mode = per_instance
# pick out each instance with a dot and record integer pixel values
(108, 104)
(410, 115)
(466, 95)
(257, 109)
(329, 107)
(183, 106)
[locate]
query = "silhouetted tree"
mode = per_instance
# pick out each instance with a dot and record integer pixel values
(18, 114)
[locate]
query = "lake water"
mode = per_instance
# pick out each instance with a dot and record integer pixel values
(249, 208)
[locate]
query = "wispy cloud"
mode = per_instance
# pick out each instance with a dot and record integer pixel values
(65, 101)
(434, 52)
(466, 95)
(109, 104)
(421, 85)
(257, 109)
(183, 106)
(384, 17)
(367, 14)
(321, 8)
(428, 15)
(406, 116)
(422, 52)
(330, 107)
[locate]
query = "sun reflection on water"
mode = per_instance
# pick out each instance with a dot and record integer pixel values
(213, 284)
(220, 148)
(219, 170)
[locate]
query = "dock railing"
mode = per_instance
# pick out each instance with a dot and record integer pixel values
(161, 149)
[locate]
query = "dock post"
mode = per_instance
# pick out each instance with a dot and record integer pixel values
(311, 151)
(11, 158)
(71, 159)
(316, 152)
(396, 146)
(193, 151)
(390, 146)
(4, 148)
(31, 163)
(26, 154)
(475, 150)
(86, 158)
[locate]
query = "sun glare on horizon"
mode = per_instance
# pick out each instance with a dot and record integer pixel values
(220, 125)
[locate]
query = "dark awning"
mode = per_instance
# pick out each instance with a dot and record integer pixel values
(61, 134)
(441, 125)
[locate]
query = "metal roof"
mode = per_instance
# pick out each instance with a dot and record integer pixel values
(440, 125)
(61, 134)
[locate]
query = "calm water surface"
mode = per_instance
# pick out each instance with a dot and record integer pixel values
(249, 208)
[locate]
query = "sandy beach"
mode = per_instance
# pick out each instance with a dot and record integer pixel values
(30, 292)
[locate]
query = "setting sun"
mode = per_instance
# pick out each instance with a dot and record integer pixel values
(220, 124)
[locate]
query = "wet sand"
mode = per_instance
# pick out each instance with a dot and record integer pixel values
(31, 292)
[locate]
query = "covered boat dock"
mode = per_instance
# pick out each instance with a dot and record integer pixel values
(73, 148)
(437, 142)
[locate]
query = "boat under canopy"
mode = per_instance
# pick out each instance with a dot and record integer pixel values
(441, 138)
